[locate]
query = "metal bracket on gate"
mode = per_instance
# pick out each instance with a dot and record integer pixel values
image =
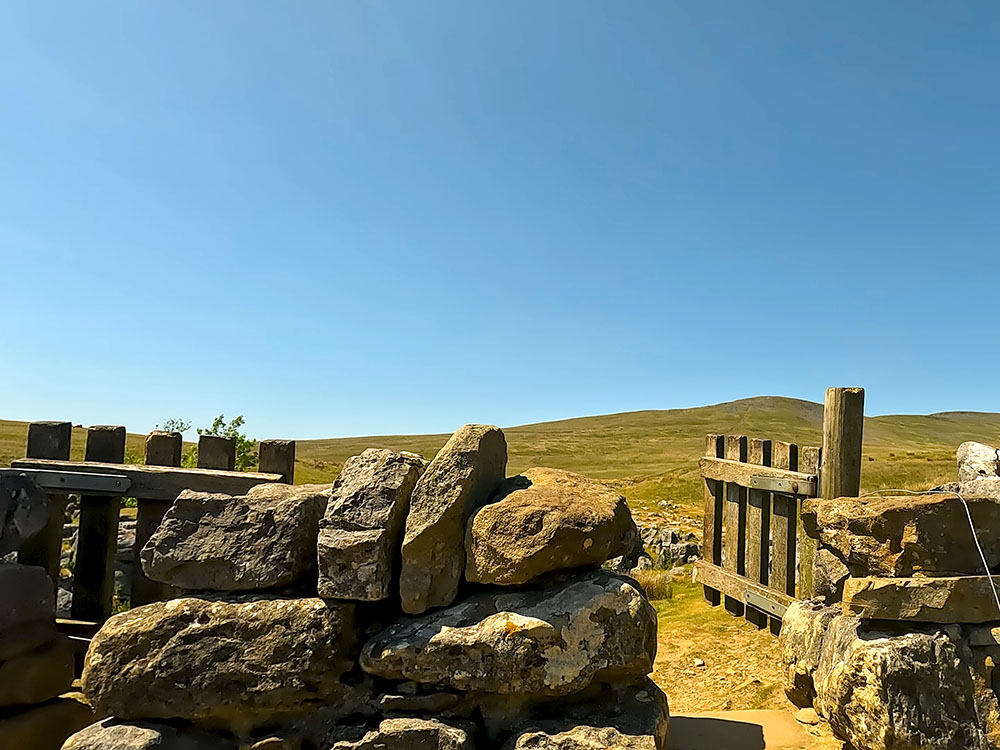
(757, 601)
(74, 481)
(805, 487)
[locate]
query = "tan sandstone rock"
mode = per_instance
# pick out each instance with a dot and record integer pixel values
(546, 520)
(947, 599)
(803, 628)
(404, 734)
(114, 734)
(215, 542)
(976, 461)
(222, 663)
(360, 533)
(903, 535)
(545, 641)
(462, 476)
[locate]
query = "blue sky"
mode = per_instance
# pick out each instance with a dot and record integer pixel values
(356, 218)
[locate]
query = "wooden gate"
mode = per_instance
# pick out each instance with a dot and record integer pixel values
(756, 560)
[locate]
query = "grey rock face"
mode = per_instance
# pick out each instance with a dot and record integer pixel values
(404, 734)
(543, 521)
(976, 461)
(670, 547)
(113, 734)
(547, 641)
(803, 629)
(829, 574)
(25, 595)
(223, 663)
(361, 530)
(24, 511)
(215, 542)
(462, 476)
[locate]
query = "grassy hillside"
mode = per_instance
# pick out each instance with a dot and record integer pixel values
(652, 455)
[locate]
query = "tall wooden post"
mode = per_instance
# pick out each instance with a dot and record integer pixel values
(48, 440)
(97, 539)
(162, 449)
(277, 457)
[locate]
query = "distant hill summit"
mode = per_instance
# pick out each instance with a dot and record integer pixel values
(652, 454)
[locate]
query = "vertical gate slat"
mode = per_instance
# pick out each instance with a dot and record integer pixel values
(715, 445)
(735, 521)
(97, 538)
(809, 463)
(48, 440)
(758, 528)
(162, 449)
(784, 514)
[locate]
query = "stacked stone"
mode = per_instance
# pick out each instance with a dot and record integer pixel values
(37, 707)
(901, 664)
(410, 605)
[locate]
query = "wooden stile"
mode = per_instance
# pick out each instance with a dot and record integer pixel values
(97, 538)
(715, 446)
(48, 440)
(162, 449)
(758, 528)
(734, 519)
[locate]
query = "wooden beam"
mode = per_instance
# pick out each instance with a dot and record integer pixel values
(735, 586)
(160, 483)
(809, 461)
(843, 427)
(945, 599)
(736, 472)
(758, 548)
(734, 522)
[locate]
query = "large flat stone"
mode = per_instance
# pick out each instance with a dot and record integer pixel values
(26, 594)
(45, 726)
(38, 675)
(24, 511)
(899, 536)
(545, 641)
(462, 476)
(403, 734)
(360, 533)
(221, 663)
(976, 461)
(543, 521)
(213, 542)
(952, 599)
(27, 636)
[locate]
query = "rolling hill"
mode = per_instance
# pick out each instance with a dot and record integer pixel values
(651, 455)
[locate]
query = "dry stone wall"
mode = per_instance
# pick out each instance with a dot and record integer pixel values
(412, 605)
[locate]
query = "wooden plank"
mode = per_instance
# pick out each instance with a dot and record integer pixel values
(161, 483)
(758, 528)
(735, 586)
(946, 599)
(784, 508)
(734, 522)
(216, 452)
(715, 446)
(735, 472)
(162, 449)
(809, 460)
(843, 427)
(48, 440)
(277, 457)
(97, 538)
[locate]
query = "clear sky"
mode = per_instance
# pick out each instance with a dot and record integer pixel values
(349, 218)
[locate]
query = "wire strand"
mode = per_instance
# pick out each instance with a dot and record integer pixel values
(972, 526)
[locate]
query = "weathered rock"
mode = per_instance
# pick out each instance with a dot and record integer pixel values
(214, 542)
(429, 703)
(360, 533)
(26, 595)
(404, 734)
(988, 488)
(633, 717)
(950, 599)
(803, 628)
(900, 536)
(462, 476)
(114, 734)
(45, 726)
(24, 511)
(543, 521)
(669, 547)
(829, 575)
(976, 461)
(37, 675)
(225, 663)
(902, 692)
(549, 641)
(27, 636)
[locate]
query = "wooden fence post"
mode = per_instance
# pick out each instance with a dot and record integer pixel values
(48, 440)
(711, 538)
(97, 538)
(162, 449)
(784, 517)
(216, 452)
(734, 511)
(277, 457)
(758, 548)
